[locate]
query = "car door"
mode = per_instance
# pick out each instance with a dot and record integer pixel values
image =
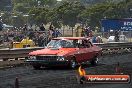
(81, 52)
(89, 53)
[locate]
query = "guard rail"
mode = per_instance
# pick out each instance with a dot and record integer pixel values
(16, 53)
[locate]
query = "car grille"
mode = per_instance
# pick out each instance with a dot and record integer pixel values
(47, 58)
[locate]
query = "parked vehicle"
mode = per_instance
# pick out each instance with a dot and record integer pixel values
(24, 43)
(65, 51)
(122, 38)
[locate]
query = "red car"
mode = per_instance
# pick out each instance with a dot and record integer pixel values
(65, 51)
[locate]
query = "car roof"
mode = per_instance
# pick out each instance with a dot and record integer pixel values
(72, 38)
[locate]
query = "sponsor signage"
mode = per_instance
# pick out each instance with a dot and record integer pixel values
(107, 78)
(116, 24)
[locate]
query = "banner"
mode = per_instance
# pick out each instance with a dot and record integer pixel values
(116, 24)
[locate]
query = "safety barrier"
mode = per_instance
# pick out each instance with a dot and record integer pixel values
(114, 45)
(16, 53)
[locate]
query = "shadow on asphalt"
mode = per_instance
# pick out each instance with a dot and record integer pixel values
(68, 68)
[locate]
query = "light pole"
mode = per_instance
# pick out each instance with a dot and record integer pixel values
(26, 15)
(14, 18)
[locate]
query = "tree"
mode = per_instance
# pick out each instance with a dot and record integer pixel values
(92, 16)
(68, 12)
(39, 15)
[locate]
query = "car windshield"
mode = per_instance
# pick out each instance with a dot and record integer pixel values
(61, 43)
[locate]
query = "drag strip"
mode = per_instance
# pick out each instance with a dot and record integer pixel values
(64, 77)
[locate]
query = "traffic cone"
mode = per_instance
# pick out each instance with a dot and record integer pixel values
(16, 83)
(118, 69)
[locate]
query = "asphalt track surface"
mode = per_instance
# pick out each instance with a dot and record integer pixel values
(64, 77)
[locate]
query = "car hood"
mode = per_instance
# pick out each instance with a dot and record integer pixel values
(51, 51)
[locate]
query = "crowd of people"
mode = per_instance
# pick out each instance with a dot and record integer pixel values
(40, 37)
(87, 32)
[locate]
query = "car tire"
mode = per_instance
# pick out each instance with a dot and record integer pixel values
(94, 61)
(36, 67)
(73, 63)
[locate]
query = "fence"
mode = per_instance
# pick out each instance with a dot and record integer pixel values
(41, 38)
(6, 54)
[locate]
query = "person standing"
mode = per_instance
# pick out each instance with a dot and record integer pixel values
(116, 36)
(51, 30)
(1, 25)
(42, 28)
(25, 28)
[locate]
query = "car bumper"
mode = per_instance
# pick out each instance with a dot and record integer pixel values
(47, 63)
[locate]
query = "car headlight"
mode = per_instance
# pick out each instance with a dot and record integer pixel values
(60, 58)
(32, 57)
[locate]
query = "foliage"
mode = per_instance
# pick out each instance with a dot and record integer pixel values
(70, 12)
(110, 10)
(38, 15)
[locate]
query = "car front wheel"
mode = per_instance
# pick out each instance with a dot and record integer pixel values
(94, 61)
(73, 64)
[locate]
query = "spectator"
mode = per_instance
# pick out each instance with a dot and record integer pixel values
(1, 25)
(30, 28)
(42, 28)
(99, 39)
(51, 27)
(94, 39)
(25, 27)
(56, 33)
(51, 30)
(41, 40)
(90, 33)
(83, 32)
(116, 36)
(87, 31)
